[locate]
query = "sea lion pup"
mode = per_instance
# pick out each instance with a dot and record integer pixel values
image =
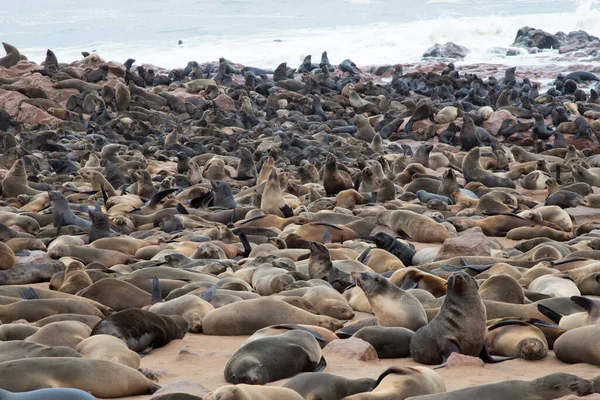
(334, 180)
(15, 182)
(189, 307)
(459, 326)
(247, 392)
(418, 227)
(402, 383)
(252, 315)
(384, 298)
(107, 347)
(518, 339)
(329, 302)
(142, 330)
(77, 373)
(388, 342)
(473, 171)
(399, 249)
(272, 201)
(550, 386)
(271, 358)
(324, 386)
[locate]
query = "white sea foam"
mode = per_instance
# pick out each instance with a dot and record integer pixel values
(487, 38)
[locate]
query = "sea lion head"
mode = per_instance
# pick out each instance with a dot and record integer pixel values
(532, 349)
(371, 283)
(461, 283)
(561, 384)
(248, 370)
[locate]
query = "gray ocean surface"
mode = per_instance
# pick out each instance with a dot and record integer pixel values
(266, 32)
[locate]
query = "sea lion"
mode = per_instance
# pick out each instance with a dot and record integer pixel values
(48, 394)
(15, 182)
(334, 180)
(20, 349)
(329, 302)
(550, 386)
(503, 288)
(271, 358)
(324, 386)
(402, 383)
(77, 373)
(473, 171)
(384, 297)
(64, 333)
(388, 342)
(245, 392)
(142, 330)
(255, 314)
(458, 327)
(517, 339)
(75, 278)
(418, 227)
(116, 294)
(413, 278)
(12, 56)
(34, 310)
(110, 348)
(191, 308)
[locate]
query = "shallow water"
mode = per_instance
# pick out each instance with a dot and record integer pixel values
(266, 32)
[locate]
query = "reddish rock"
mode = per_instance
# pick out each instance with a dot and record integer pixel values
(31, 115)
(75, 72)
(224, 102)
(116, 69)
(472, 243)
(44, 83)
(461, 360)
(353, 348)
(492, 124)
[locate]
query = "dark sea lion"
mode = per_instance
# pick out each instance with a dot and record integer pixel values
(335, 180)
(271, 358)
(12, 56)
(458, 327)
(473, 171)
(389, 342)
(142, 330)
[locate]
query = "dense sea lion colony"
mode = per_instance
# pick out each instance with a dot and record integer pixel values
(425, 215)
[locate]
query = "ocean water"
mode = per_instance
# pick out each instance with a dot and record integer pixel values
(264, 33)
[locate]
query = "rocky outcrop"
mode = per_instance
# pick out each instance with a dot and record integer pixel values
(447, 50)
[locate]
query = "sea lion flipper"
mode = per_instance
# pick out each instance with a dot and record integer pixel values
(30, 294)
(551, 314)
(364, 256)
(181, 209)
(246, 244)
(156, 292)
(158, 197)
(326, 238)
(409, 283)
(506, 323)
(487, 358)
(287, 211)
(545, 324)
(209, 294)
(104, 194)
(587, 304)
(321, 365)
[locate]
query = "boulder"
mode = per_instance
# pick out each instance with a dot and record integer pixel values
(471, 242)
(224, 102)
(447, 50)
(529, 37)
(352, 348)
(461, 360)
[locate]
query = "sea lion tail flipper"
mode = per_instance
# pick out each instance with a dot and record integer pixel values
(450, 268)
(104, 194)
(326, 237)
(209, 294)
(158, 197)
(30, 294)
(364, 256)
(246, 244)
(181, 209)
(487, 358)
(321, 365)
(551, 314)
(287, 211)
(585, 303)
(409, 283)
(506, 323)
(545, 324)
(156, 292)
